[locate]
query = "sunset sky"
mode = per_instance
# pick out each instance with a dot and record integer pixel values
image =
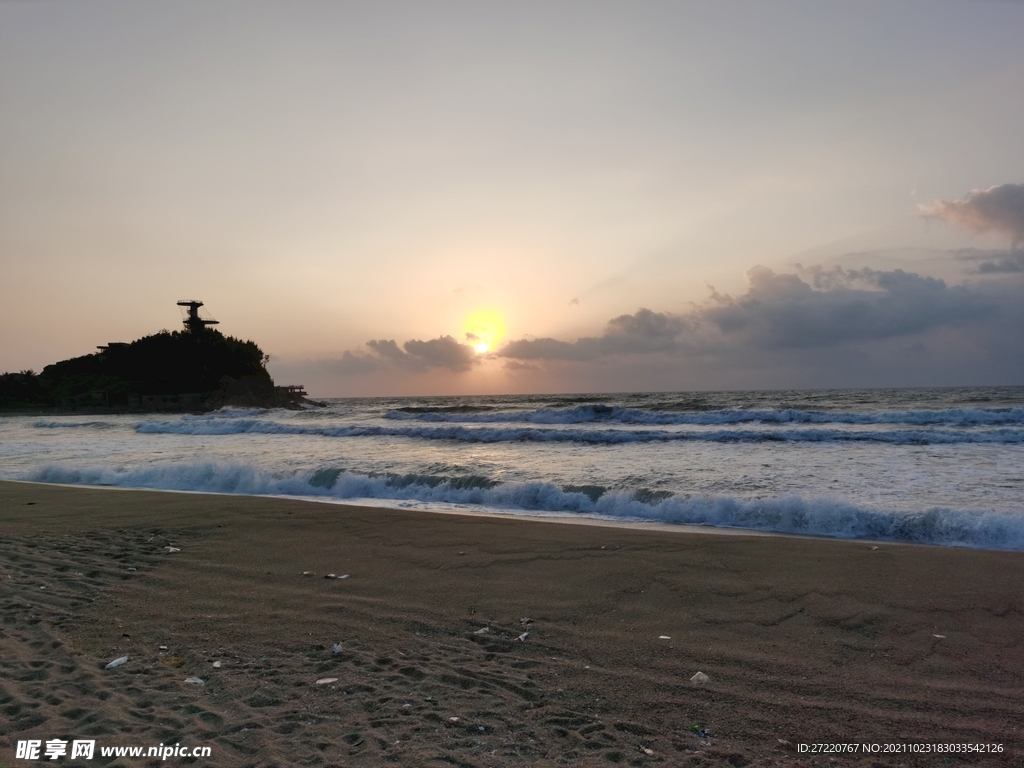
(484, 197)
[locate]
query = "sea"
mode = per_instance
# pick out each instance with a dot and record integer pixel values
(941, 467)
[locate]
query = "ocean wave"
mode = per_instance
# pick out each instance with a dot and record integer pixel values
(426, 410)
(594, 436)
(586, 414)
(790, 514)
(227, 412)
(76, 424)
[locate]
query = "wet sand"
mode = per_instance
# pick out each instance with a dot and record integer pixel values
(804, 641)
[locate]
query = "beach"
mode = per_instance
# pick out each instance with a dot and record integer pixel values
(328, 634)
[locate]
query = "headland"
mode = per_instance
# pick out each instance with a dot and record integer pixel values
(194, 369)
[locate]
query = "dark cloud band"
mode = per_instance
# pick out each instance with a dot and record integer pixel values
(782, 311)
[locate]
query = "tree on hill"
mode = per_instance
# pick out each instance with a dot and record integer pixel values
(22, 389)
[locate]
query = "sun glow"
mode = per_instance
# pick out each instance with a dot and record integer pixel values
(483, 329)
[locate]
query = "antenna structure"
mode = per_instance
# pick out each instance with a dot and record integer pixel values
(194, 323)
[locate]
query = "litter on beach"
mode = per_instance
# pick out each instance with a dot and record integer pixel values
(482, 631)
(195, 681)
(664, 637)
(116, 662)
(699, 679)
(173, 549)
(522, 637)
(326, 680)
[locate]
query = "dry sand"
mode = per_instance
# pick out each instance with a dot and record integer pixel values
(804, 640)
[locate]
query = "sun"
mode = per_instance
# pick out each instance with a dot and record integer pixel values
(483, 329)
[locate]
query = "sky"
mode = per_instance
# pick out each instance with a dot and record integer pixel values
(430, 198)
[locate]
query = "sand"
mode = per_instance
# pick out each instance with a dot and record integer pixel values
(804, 641)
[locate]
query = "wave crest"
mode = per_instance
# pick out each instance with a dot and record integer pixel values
(597, 436)
(587, 414)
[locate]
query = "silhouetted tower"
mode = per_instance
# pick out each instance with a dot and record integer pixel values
(194, 322)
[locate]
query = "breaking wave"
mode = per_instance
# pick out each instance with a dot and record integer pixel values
(76, 424)
(586, 414)
(789, 514)
(426, 410)
(601, 436)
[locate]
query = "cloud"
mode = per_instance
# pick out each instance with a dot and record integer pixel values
(997, 209)
(415, 355)
(442, 352)
(832, 307)
(350, 363)
(386, 350)
(645, 331)
(994, 262)
(841, 306)
(516, 365)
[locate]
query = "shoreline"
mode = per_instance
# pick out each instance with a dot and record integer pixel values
(585, 519)
(453, 509)
(804, 640)
(582, 518)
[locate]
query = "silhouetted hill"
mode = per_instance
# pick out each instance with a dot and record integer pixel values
(183, 370)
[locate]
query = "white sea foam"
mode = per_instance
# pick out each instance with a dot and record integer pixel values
(786, 514)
